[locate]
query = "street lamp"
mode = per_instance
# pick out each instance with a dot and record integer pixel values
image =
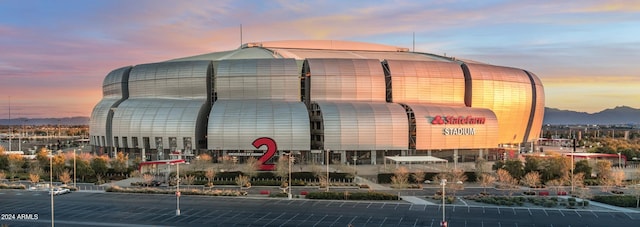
(327, 161)
(443, 183)
(572, 164)
(74, 169)
(290, 160)
(177, 163)
(619, 160)
(51, 184)
(355, 165)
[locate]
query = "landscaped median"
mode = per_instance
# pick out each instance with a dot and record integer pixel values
(12, 186)
(215, 192)
(346, 195)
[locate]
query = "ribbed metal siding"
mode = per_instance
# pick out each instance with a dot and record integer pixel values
(113, 91)
(347, 80)
(538, 118)
(431, 136)
(364, 126)
(157, 118)
(258, 98)
(427, 82)
(272, 79)
(506, 91)
(169, 80)
(235, 124)
(165, 99)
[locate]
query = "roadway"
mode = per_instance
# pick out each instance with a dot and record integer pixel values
(115, 209)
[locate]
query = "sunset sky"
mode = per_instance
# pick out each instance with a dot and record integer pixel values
(54, 55)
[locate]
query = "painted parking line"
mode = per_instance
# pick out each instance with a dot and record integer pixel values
(325, 216)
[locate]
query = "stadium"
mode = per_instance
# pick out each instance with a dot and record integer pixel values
(342, 100)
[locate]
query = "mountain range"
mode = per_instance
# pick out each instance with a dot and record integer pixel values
(621, 115)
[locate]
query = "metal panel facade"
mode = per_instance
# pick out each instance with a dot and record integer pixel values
(539, 111)
(347, 80)
(258, 98)
(506, 91)
(273, 79)
(427, 82)
(170, 80)
(113, 91)
(235, 124)
(460, 128)
(364, 126)
(156, 118)
(165, 99)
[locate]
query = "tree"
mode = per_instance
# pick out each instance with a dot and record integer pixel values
(148, 178)
(250, 167)
(243, 181)
(400, 178)
(635, 186)
(533, 164)
(43, 157)
(282, 169)
(3, 176)
(514, 167)
(418, 175)
(604, 172)
(4, 161)
(531, 179)
(505, 178)
(555, 184)
(65, 177)
(486, 180)
(556, 167)
(34, 174)
(119, 164)
(458, 178)
(202, 161)
(83, 167)
(15, 164)
(210, 174)
(617, 177)
(59, 162)
(480, 166)
(99, 166)
(189, 179)
(582, 166)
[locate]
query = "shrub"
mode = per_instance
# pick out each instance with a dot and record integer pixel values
(617, 200)
(352, 196)
(549, 204)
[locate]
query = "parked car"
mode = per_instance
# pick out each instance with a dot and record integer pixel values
(60, 191)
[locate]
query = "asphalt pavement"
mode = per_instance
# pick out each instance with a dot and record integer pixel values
(18, 208)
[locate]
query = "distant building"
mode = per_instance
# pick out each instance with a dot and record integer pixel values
(354, 99)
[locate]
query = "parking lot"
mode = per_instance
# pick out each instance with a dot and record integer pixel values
(114, 209)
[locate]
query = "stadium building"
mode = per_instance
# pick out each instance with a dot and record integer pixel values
(356, 101)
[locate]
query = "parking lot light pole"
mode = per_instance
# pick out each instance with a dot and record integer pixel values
(74, 169)
(177, 189)
(443, 182)
(327, 161)
(51, 184)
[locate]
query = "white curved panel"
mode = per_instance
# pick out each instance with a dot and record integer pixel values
(235, 124)
(364, 126)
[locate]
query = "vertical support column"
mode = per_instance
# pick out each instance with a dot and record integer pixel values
(455, 158)
(429, 152)
(343, 157)
(373, 157)
(143, 156)
(481, 154)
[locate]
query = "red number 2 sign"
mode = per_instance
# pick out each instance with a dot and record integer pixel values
(271, 151)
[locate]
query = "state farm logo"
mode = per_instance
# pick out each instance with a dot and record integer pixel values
(460, 120)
